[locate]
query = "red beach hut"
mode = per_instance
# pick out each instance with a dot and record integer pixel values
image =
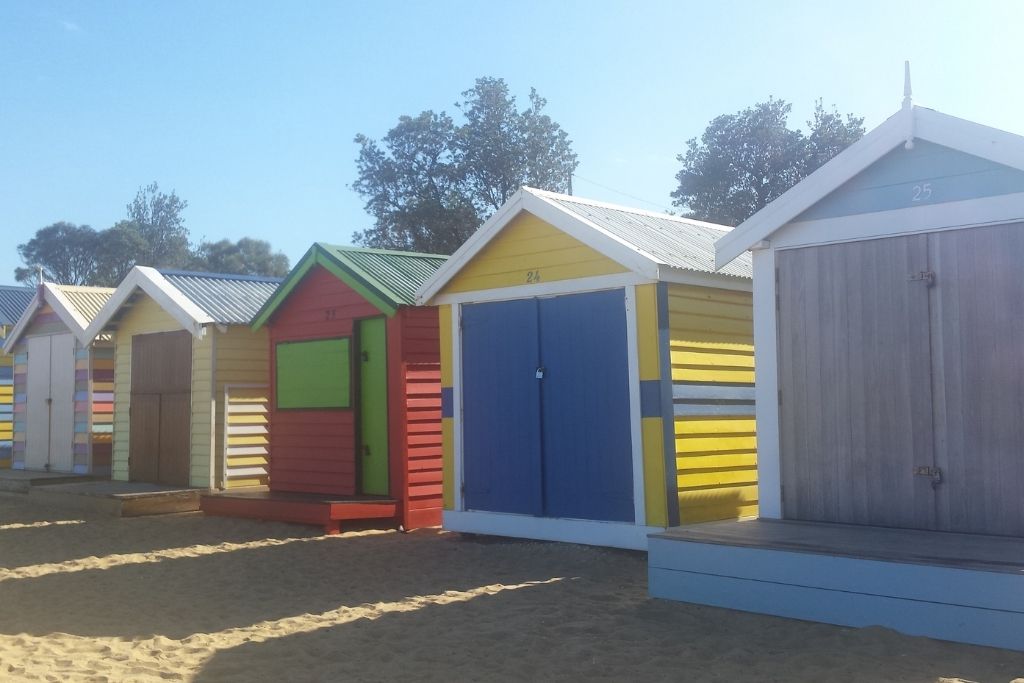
(355, 406)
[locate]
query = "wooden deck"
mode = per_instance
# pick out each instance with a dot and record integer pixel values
(303, 508)
(958, 587)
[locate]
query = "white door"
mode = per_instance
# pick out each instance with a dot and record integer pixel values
(37, 419)
(51, 403)
(62, 406)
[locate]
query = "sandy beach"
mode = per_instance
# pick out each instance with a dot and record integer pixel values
(189, 598)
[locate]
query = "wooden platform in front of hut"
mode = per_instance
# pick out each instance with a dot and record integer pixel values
(328, 511)
(951, 586)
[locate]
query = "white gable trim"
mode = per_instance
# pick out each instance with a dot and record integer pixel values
(536, 203)
(925, 124)
(166, 295)
(48, 293)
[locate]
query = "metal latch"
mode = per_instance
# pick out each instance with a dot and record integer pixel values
(540, 373)
(928, 471)
(925, 276)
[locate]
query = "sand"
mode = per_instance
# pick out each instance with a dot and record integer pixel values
(184, 597)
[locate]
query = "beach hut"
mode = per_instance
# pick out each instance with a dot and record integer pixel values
(191, 378)
(597, 374)
(13, 302)
(889, 318)
(356, 393)
(63, 384)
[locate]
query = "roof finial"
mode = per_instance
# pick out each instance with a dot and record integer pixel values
(907, 101)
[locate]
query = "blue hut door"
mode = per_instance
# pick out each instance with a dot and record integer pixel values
(546, 422)
(588, 464)
(501, 407)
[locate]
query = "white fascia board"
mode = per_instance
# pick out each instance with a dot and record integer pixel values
(969, 137)
(166, 295)
(477, 241)
(814, 187)
(582, 230)
(682, 276)
(65, 310)
(23, 322)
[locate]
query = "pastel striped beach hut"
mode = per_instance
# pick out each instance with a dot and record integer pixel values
(191, 378)
(63, 383)
(597, 374)
(13, 301)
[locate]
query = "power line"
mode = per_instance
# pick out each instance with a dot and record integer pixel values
(661, 207)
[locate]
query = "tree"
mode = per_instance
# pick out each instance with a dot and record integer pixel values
(247, 256)
(745, 160)
(430, 182)
(119, 249)
(161, 226)
(64, 251)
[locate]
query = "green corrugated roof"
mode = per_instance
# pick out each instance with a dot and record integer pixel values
(395, 274)
(388, 279)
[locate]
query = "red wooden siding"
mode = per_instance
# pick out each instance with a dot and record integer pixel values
(314, 450)
(415, 415)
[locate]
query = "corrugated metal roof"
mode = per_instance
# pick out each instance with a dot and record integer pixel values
(395, 274)
(87, 300)
(671, 240)
(228, 299)
(13, 302)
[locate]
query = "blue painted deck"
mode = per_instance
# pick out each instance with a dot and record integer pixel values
(957, 587)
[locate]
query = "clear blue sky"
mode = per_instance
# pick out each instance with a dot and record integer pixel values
(248, 109)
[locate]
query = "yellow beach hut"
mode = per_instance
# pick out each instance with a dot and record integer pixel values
(597, 374)
(191, 378)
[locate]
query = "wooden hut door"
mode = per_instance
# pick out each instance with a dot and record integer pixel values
(161, 398)
(978, 337)
(855, 378)
(373, 406)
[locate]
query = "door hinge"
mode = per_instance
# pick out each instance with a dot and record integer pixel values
(925, 276)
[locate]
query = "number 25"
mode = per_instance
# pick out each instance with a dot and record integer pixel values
(922, 191)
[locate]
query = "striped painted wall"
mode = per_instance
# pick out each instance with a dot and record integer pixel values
(241, 357)
(6, 410)
(101, 395)
(712, 361)
(247, 436)
(20, 406)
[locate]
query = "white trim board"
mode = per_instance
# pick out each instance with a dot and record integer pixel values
(907, 124)
(543, 289)
(635, 414)
(167, 296)
(586, 532)
(542, 205)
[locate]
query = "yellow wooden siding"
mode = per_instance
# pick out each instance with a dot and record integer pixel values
(530, 250)
(448, 462)
(651, 428)
(248, 437)
(711, 343)
(444, 319)
(243, 357)
(204, 401)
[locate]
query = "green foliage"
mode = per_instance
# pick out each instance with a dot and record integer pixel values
(247, 256)
(745, 160)
(154, 234)
(64, 252)
(431, 182)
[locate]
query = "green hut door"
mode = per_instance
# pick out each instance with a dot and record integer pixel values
(373, 406)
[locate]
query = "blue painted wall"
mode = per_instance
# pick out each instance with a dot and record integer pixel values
(927, 174)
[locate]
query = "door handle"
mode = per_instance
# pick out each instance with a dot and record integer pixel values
(366, 451)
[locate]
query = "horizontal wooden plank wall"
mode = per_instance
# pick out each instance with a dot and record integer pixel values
(247, 436)
(242, 357)
(102, 396)
(83, 411)
(20, 405)
(6, 410)
(416, 457)
(712, 357)
(314, 450)
(530, 245)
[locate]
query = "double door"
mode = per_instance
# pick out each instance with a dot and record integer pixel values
(50, 396)
(545, 407)
(161, 408)
(902, 381)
